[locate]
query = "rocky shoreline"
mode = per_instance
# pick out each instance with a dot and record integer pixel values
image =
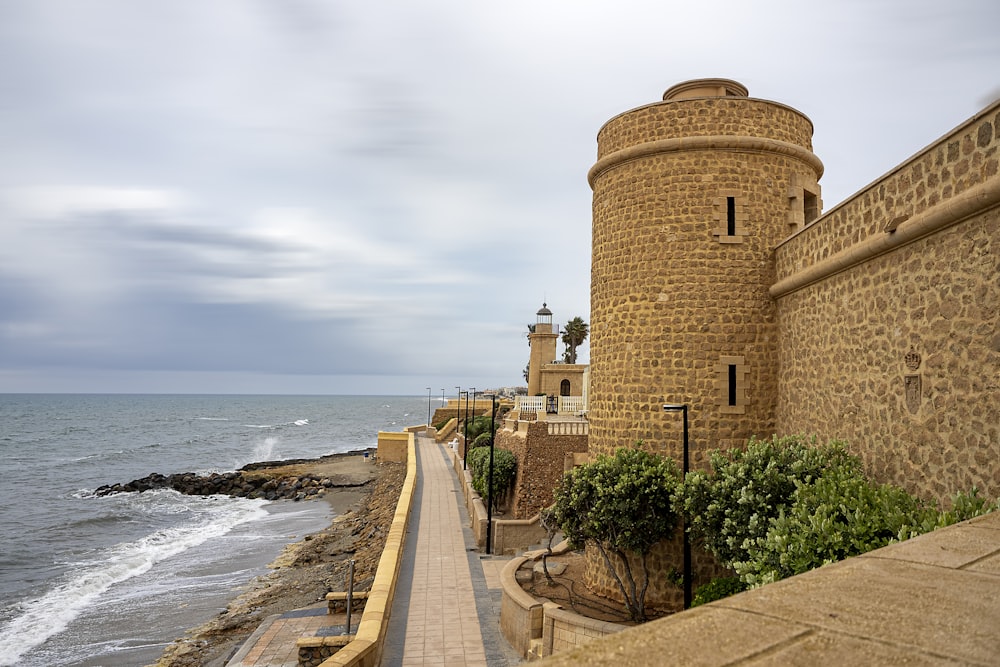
(362, 493)
(255, 480)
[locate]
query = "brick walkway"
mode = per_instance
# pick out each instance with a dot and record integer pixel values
(434, 617)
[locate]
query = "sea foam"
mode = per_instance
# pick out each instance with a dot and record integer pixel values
(39, 619)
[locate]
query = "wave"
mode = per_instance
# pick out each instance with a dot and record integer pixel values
(50, 614)
(297, 422)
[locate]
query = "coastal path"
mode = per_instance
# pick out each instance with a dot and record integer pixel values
(446, 609)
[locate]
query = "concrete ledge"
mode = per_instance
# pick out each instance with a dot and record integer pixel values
(366, 649)
(934, 599)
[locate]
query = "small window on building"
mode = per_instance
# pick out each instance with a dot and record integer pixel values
(730, 217)
(731, 385)
(804, 203)
(564, 388)
(810, 206)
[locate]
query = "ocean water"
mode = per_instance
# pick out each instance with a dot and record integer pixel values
(87, 581)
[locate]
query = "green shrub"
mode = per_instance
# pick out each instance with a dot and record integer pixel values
(479, 425)
(482, 440)
(621, 505)
(717, 589)
(504, 472)
(785, 506)
(838, 515)
(734, 504)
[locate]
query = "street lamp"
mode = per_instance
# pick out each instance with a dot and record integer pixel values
(465, 447)
(683, 408)
(489, 479)
(458, 408)
(428, 409)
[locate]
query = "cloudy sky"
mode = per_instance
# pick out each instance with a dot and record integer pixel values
(319, 196)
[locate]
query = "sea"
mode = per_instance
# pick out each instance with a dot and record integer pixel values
(87, 581)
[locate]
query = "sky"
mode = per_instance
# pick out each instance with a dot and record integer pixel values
(323, 197)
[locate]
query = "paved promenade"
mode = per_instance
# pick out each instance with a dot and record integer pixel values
(447, 605)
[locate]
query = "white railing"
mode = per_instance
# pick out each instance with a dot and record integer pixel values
(569, 428)
(530, 404)
(571, 405)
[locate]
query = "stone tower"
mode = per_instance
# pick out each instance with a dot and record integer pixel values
(543, 349)
(691, 196)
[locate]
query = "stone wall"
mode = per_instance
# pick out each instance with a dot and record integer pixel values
(540, 464)
(889, 313)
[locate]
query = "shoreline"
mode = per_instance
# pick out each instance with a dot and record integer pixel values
(364, 502)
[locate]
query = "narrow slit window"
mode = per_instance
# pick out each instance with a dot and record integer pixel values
(729, 216)
(732, 384)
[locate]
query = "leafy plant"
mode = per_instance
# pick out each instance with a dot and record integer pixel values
(717, 589)
(733, 505)
(482, 440)
(621, 505)
(785, 506)
(504, 472)
(480, 424)
(838, 515)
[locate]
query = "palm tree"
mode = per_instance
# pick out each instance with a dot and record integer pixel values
(574, 334)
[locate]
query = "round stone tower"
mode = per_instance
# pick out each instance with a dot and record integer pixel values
(691, 195)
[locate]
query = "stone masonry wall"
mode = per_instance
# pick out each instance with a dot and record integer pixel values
(540, 462)
(925, 320)
(899, 355)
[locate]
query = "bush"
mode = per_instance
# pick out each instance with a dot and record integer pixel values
(717, 589)
(621, 505)
(482, 440)
(838, 515)
(504, 471)
(479, 425)
(734, 504)
(783, 507)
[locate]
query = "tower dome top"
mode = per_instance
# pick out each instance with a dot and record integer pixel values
(705, 88)
(544, 310)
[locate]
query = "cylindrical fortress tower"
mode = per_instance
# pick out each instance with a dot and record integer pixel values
(691, 195)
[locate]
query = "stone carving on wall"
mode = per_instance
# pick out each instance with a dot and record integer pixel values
(911, 385)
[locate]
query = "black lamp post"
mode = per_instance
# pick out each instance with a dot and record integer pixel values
(465, 449)
(489, 480)
(458, 408)
(428, 409)
(683, 408)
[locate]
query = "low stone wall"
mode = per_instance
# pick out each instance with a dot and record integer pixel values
(520, 614)
(564, 630)
(537, 627)
(513, 535)
(446, 431)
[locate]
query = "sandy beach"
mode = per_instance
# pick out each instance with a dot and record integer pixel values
(364, 501)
